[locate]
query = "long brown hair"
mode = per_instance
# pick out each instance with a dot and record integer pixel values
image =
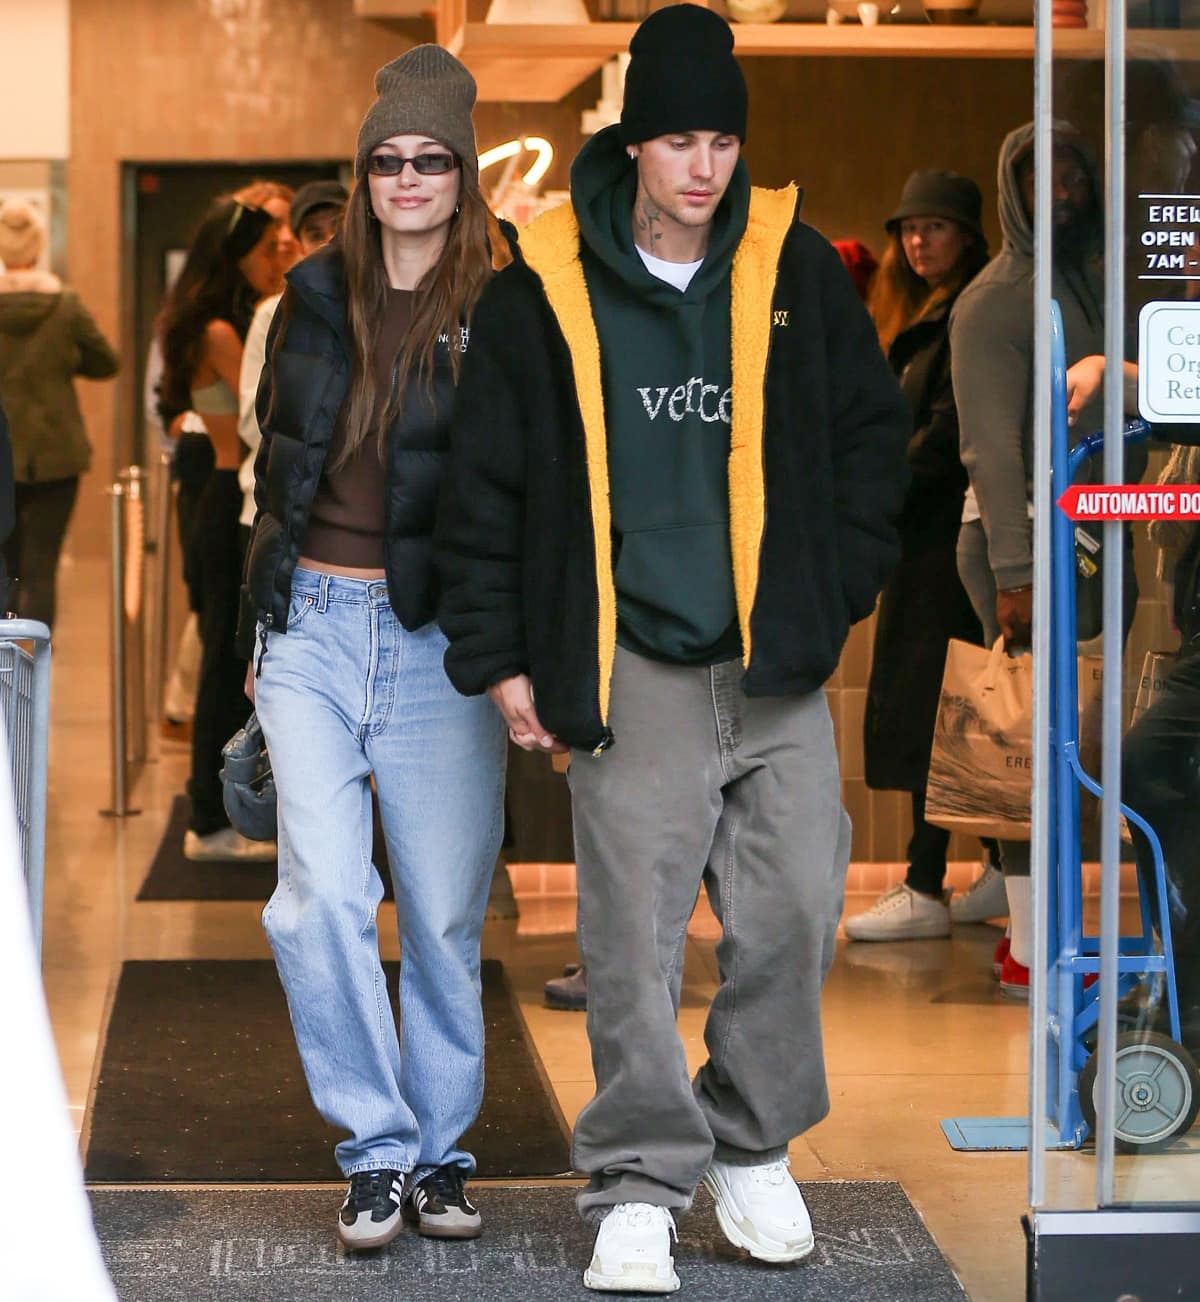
(900, 298)
(444, 301)
(210, 287)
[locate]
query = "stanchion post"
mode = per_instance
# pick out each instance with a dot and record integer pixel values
(135, 610)
(119, 807)
(162, 586)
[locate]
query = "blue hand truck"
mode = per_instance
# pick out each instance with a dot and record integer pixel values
(1157, 1088)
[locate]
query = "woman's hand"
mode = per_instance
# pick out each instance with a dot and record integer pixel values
(513, 697)
(1084, 382)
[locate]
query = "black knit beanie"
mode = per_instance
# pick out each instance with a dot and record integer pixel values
(682, 77)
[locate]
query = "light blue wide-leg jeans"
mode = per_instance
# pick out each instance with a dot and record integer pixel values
(344, 694)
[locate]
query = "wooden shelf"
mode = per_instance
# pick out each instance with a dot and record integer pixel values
(547, 61)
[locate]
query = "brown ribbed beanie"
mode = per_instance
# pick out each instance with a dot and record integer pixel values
(424, 92)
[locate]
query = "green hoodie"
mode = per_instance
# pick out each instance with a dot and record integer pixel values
(667, 380)
(47, 337)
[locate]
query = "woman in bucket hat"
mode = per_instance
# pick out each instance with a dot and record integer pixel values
(935, 246)
(347, 672)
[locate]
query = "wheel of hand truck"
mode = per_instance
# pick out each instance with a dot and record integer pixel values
(1157, 1089)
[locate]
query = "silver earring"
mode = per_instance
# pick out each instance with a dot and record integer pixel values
(457, 209)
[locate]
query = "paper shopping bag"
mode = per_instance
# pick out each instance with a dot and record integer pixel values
(980, 769)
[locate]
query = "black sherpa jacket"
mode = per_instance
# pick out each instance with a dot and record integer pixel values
(817, 473)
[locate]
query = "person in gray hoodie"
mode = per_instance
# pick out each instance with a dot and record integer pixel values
(992, 351)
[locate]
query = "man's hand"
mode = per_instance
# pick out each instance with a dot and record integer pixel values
(1014, 614)
(1084, 382)
(514, 700)
(248, 686)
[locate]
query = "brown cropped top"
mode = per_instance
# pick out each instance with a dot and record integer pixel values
(346, 523)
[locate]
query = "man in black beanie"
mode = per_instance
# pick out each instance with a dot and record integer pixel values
(675, 468)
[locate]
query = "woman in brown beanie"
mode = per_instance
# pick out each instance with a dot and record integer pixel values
(354, 406)
(47, 338)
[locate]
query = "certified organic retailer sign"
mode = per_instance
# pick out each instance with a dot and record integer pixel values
(1169, 331)
(1169, 363)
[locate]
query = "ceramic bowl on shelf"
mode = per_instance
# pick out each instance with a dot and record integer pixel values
(756, 11)
(951, 11)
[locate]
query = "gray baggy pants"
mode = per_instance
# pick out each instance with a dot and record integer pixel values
(703, 785)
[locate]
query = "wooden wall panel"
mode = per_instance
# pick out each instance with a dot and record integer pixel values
(849, 131)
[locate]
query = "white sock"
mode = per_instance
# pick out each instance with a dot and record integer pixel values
(1020, 918)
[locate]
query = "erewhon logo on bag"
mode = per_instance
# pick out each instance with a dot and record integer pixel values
(980, 772)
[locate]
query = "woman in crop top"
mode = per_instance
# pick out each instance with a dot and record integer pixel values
(347, 677)
(234, 260)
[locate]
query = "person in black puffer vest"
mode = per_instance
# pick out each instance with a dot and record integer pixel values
(678, 459)
(354, 407)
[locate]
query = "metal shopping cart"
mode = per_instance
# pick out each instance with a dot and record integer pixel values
(1157, 1087)
(25, 704)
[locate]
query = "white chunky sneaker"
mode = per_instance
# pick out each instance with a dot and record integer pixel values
(759, 1208)
(986, 898)
(901, 914)
(226, 844)
(633, 1251)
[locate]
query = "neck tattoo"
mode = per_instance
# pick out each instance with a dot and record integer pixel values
(647, 219)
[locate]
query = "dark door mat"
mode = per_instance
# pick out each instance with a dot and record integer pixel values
(172, 877)
(201, 1082)
(267, 1246)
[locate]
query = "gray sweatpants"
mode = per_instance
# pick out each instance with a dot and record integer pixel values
(703, 785)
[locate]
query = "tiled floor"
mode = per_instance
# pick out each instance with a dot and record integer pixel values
(914, 1033)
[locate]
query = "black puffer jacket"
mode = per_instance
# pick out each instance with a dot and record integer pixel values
(816, 473)
(304, 383)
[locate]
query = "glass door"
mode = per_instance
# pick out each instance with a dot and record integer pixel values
(1114, 1173)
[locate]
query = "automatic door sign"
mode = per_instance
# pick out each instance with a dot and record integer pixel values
(1169, 363)
(1131, 502)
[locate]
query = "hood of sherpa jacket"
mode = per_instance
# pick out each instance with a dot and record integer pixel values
(603, 189)
(27, 298)
(551, 248)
